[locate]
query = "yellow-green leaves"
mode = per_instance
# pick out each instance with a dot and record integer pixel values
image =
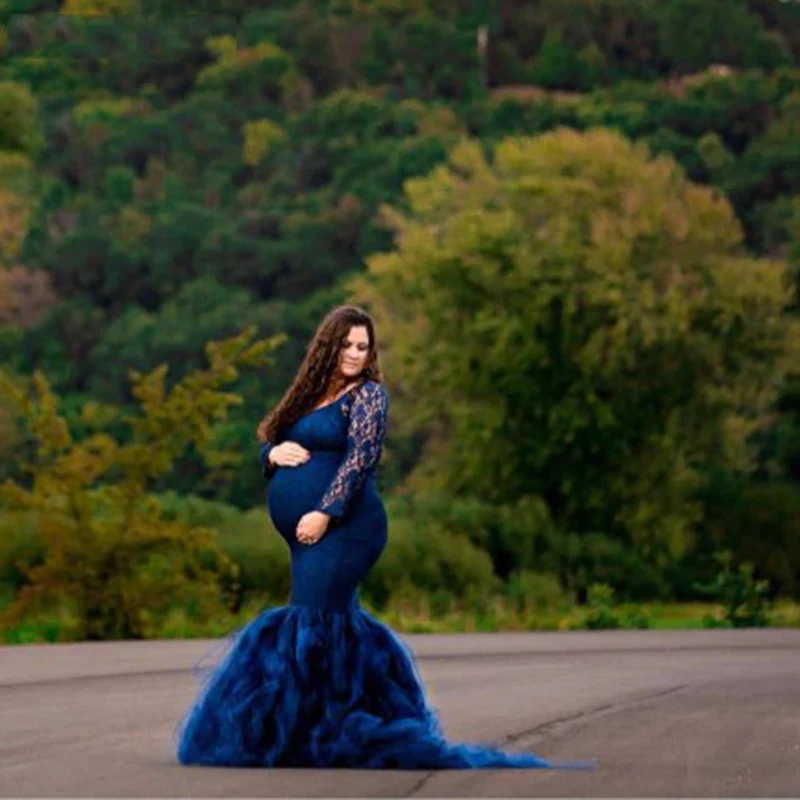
(19, 119)
(575, 320)
(109, 551)
(265, 65)
(95, 8)
(261, 136)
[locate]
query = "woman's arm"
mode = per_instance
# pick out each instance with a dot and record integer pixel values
(267, 467)
(365, 434)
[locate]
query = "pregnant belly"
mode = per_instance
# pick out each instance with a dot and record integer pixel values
(294, 491)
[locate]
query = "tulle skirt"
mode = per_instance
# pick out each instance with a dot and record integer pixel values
(299, 686)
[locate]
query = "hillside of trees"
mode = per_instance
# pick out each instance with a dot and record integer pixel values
(168, 178)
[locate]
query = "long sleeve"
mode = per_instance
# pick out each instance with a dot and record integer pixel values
(267, 469)
(365, 434)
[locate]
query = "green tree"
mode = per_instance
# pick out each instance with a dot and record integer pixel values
(576, 321)
(110, 552)
(261, 136)
(19, 118)
(557, 65)
(263, 68)
(202, 310)
(694, 34)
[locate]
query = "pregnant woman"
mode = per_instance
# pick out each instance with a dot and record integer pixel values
(320, 682)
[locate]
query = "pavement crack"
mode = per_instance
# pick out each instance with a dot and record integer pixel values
(555, 726)
(38, 682)
(420, 783)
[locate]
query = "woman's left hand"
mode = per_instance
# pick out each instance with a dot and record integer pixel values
(312, 527)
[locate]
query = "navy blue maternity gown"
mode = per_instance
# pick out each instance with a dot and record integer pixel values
(320, 682)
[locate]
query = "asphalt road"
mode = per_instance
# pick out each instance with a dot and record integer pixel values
(666, 714)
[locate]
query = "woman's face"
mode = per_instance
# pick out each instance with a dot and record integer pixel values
(354, 352)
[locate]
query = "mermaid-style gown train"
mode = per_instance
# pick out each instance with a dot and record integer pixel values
(321, 682)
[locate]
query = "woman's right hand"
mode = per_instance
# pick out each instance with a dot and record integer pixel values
(288, 454)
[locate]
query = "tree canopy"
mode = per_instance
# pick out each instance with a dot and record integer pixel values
(595, 323)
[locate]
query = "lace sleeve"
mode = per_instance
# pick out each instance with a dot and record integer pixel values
(364, 444)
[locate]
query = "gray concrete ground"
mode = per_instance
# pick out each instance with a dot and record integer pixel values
(666, 714)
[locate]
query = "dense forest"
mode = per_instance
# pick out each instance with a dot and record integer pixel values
(170, 177)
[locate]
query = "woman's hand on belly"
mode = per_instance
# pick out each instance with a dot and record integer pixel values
(312, 527)
(288, 454)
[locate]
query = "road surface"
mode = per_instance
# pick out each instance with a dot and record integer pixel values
(665, 713)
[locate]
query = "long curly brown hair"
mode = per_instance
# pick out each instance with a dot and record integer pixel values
(317, 375)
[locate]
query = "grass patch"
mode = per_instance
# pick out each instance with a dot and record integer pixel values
(58, 624)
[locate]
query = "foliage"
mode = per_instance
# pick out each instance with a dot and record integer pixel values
(601, 615)
(108, 548)
(167, 177)
(246, 538)
(696, 33)
(93, 8)
(260, 136)
(531, 590)
(262, 68)
(758, 522)
(559, 66)
(422, 558)
(19, 119)
(744, 598)
(21, 548)
(17, 200)
(594, 324)
(604, 614)
(25, 297)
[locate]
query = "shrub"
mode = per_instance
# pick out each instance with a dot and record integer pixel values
(744, 599)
